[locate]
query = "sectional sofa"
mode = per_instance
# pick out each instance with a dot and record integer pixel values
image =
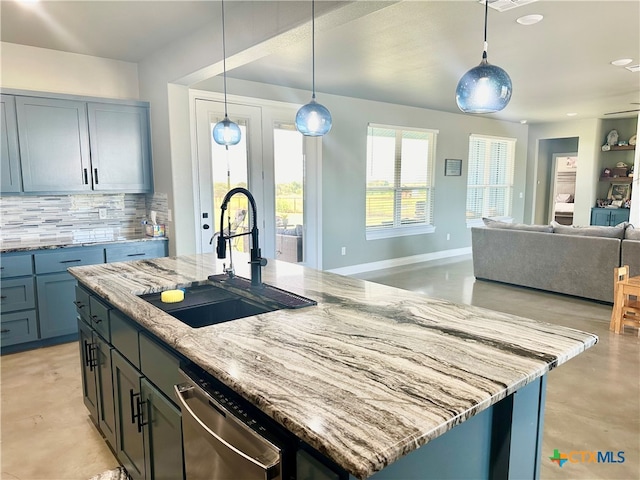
(576, 261)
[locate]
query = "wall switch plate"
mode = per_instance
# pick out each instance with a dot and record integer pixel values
(102, 213)
(344, 251)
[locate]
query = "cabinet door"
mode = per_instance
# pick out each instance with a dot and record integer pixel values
(120, 147)
(619, 215)
(56, 310)
(600, 216)
(104, 386)
(87, 367)
(10, 177)
(54, 145)
(162, 435)
(129, 438)
(18, 327)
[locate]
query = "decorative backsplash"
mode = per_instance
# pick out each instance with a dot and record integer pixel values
(76, 218)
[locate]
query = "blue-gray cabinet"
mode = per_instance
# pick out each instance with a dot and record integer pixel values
(37, 293)
(136, 410)
(120, 147)
(54, 144)
(18, 320)
(10, 177)
(609, 217)
(70, 144)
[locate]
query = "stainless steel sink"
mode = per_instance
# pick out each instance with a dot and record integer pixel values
(210, 303)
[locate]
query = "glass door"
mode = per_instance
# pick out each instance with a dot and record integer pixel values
(220, 169)
(288, 170)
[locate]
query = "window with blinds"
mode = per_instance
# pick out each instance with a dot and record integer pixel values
(399, 195)
(490, 177)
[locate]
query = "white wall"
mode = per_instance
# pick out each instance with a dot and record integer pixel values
(44, 70)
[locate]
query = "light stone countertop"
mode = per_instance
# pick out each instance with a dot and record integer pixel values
(366, 376)
(48, 244)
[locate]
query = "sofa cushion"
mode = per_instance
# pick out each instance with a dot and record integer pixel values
(517, 226)
(591, 231)
(632, 233)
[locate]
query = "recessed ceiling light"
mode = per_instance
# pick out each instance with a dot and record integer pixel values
(530, 19)
(523, 122)
(622, 62)
(633, 68)
(571, 114)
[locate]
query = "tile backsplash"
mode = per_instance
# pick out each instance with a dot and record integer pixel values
(76, 218)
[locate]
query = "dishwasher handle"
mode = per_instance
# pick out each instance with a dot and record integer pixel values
(185, 392)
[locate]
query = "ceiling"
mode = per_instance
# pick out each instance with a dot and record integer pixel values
(409, 53)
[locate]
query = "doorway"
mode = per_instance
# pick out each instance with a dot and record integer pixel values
(563, 191)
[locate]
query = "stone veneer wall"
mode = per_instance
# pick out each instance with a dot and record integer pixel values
(75, 218)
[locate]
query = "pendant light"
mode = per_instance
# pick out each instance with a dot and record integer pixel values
(225, 132)
(486, 88)
(313, 119)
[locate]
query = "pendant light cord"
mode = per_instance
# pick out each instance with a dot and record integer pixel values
(224, 63)
(486, 14)
(313, 49)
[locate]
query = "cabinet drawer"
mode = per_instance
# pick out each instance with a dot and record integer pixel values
(16, 266)
(17, 294)
(60, 260)
(100, 317)
(135, 251)
(82, 304)
(124, 337)
(159, 365)
(18, 327)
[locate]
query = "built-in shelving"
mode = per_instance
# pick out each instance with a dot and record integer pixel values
(615, 148)
(617, 179)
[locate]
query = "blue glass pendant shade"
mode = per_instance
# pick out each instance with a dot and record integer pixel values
(484, 89)
(313, 119)
(226, 132)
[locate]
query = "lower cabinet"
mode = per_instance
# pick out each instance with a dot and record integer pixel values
(609, 217)
(129, 416)
(56, 311)
(127, 387)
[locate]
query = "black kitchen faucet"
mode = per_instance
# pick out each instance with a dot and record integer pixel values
(257, 262)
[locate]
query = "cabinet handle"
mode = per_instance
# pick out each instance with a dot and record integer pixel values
(5, 330)
(96, 318)
(134, 407)
(2, 297)
(86, 177)
(88, 355)
(71, 261)
(95, 176)
(139, 416)
(79, 304)
(136, 254)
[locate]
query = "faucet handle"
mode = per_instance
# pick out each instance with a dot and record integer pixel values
(221, 247)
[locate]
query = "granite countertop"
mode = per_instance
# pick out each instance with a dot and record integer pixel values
(368, 374)
(48, 244)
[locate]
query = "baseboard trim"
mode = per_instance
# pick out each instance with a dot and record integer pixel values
(399, 262)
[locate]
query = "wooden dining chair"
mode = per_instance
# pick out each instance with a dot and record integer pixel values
(626, 307)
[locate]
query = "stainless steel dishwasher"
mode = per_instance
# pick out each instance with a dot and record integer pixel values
(223, 439)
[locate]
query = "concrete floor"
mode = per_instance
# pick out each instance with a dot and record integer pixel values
(593, 401)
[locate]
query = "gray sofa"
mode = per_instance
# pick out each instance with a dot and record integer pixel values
(575, 261)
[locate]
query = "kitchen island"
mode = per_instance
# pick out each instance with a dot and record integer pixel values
(371, 373)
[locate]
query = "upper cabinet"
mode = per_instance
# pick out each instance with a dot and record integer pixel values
(54, 145)
(120, 147)
(10, 178)
(68, 145)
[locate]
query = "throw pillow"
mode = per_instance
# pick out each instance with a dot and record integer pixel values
(632, 233)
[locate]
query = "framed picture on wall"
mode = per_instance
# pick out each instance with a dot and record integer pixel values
(452, 167)
(619, 192)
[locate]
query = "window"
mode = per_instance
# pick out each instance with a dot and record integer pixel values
(490, 178)
(399, 198)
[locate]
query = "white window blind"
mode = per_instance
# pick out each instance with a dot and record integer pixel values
(490, 177)
(399, 181)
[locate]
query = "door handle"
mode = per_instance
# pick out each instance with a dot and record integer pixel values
(206, 226)
(95, 175)
(139, 416)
